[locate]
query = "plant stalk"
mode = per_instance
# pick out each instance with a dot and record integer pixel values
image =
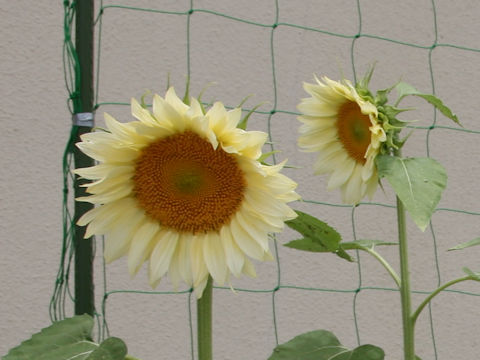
(435, 293)
(204, 322)
(405, 293)
(385, 264)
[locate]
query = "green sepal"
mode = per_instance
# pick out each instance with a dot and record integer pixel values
(244, 100)
(362, 85)
(186, 96)
(199, 98)
(381, 97)
(323, 345)
(391, 113)
(243, 123)
(143, 104)
(405, 89)
(418, 182)
(265, 156)
(467, 244)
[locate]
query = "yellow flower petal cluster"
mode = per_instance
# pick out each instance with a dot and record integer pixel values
(343, 128)
(184, 191)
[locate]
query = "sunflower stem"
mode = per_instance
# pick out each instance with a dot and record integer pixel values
(204, 322)
(405, 292)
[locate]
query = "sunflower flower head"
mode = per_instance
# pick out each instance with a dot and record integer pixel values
(184, 190)
(341, 123)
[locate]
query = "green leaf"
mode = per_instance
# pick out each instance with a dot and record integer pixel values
(467, 244)
(318, 236)
(475, 276)
(307, 244)
(61, 339)
(80, 350)
(362, 244)
(418, 182)
(343, 254)
(110, 349)
(69, 339)
(323, 345)
(405, 89)
(367, 352)
(317, 230)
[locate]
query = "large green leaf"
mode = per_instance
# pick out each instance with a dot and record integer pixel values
(405, 89)
(323, 345)
(69, 339)
(418, 182)
(110, 349)
(68, 334)
(318, 236)
(467, 244)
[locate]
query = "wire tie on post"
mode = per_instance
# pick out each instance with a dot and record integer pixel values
(83, 119)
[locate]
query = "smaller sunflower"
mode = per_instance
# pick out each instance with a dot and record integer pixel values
(343, 128)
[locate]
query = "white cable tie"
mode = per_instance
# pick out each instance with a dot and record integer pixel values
(83, 119)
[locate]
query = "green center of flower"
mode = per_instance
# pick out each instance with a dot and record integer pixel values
(188, 182)
(354, 130)
(185, 184)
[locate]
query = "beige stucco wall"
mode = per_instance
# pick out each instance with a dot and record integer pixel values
(138, 51)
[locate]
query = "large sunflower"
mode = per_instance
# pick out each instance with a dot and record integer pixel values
(184, 190)
(343, 128)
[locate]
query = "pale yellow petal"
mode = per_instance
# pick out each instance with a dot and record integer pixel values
(165, 245)
(172, 98)
(245, 241)
(166, 114)
(141, 114)
(214, 256)
(254, 228)
(235, 258)
(341, 174)
(118, 238)
(110, 196)
(180, 266)
(249, 269)
(103, 171)
(141, 246)
(200, 287)
(199, 268)
(352, 190)
(108, 153)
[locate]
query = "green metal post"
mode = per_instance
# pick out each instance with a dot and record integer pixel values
(84, 33)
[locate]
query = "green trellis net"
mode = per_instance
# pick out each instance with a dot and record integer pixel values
(188, 17)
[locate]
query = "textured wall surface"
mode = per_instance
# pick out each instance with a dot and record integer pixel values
(138, 51)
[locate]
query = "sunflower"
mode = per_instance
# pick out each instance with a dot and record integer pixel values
(184, 190)
(343, 128)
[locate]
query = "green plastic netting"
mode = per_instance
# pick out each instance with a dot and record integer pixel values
(269, 48)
